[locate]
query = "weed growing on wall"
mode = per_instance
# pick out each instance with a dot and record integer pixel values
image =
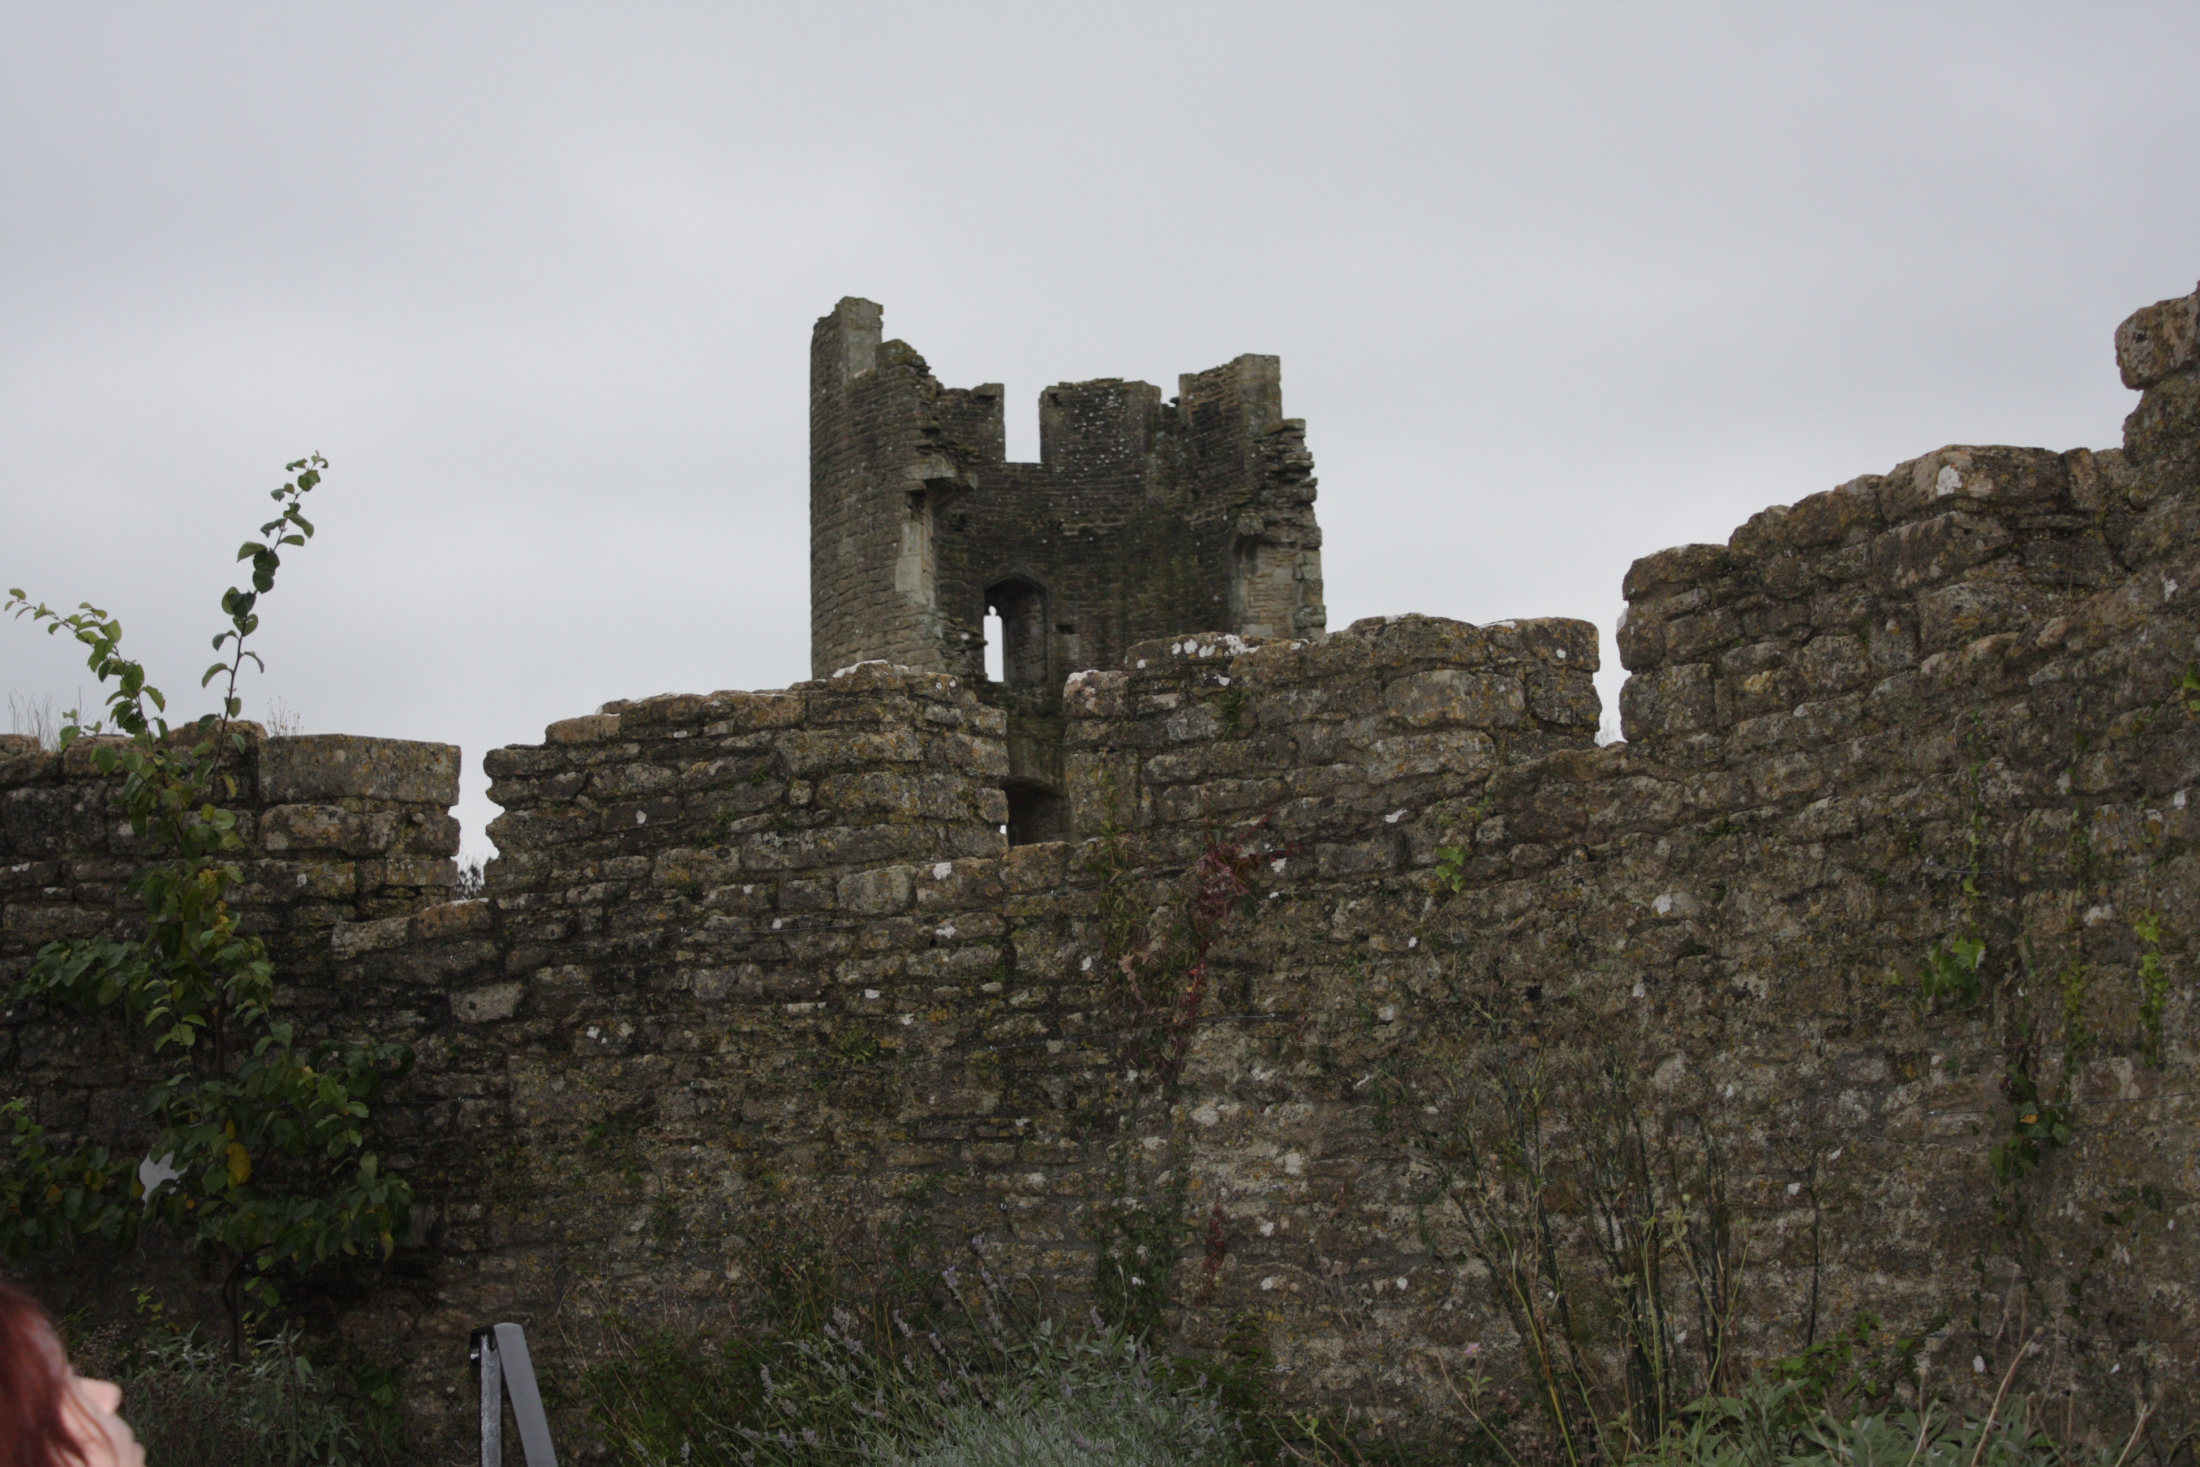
(1606, 1232)
(1160, 974)
(258, 1153)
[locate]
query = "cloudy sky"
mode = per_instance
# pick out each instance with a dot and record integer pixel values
(1554, 286)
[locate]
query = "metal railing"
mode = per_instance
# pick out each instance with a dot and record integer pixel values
(500, 1354)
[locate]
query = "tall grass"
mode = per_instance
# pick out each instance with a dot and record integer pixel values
(192, 1406)
(917, 1369)
(39, 718)
(1770, 1424)
(894, 1366)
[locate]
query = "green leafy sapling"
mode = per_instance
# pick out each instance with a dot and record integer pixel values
(259, 1149)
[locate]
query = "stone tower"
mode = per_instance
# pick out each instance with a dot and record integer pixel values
(1142, 519)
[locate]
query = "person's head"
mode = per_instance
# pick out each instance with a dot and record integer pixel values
(49, 1415)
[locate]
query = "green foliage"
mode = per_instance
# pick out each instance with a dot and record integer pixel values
(1070, 1401)
(933, 1369)
(1612, 1350)
(265, 1133)
(1233, 702)
(1858, 1367)
(1951, 975)
(2037, 1126)
(190, 1405)
(1451, 868)
(1773, 1423)
(928, 1368)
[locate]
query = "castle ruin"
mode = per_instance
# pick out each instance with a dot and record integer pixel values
(754, 966)
(1141, 520)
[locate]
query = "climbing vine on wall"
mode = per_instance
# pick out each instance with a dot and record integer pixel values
(1159, 970)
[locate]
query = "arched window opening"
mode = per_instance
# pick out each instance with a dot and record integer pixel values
(993, 635)
(1035, 813)
(1020, 608)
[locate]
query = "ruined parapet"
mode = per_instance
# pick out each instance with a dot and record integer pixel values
(1329, 739)
(1821, 616)
(743, 966)
(337, 830)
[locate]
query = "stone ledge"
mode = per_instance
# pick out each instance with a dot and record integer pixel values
(313, 767)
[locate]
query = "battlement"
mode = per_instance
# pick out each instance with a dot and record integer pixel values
(751, 963)
(1142, 519)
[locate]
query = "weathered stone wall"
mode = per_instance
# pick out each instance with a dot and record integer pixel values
(340, 831)
(755, 963)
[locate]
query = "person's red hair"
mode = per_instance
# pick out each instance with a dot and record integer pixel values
(34, 1375)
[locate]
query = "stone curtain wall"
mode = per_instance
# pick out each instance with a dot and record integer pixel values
(1328, 739)
(758, 967)
(342, 831)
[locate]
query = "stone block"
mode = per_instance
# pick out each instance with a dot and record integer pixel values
(1925, 552)
(23, 762)
(488, 1003)
(1753, 680)
(328, 828)
(284, 881)
(738, 712)
(452, 919)
(1375, 857)
(1449, 697)
(310, 768)
(876, 893)
(525, 761)
(1982, 480)
(1667, 703)
(2157, 340)
(1670, 570)
(1828, 518)
(1562, 641)
(1957, 615)
(1568, 699)
(1834, 663)
(1641, 638)
(1697, 637)
(411, 871)
(1036, 867)
(34, 924)
(356, 939)
(808, 753)
(1463, 751)
(1096, 694)
(2164, 428)
(589, 728)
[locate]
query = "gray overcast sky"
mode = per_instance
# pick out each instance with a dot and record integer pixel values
(1554, 286)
